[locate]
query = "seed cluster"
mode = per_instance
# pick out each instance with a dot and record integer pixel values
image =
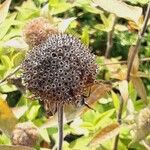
(144, 119)
(25, 134)
(58, 70)
(37, 31)
(142, 129)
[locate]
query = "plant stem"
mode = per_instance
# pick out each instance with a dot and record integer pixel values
(60, 126)
(110, 39)
(138, 42)
(11, 74)
(119, 118)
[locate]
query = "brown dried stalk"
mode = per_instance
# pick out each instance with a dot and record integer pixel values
(138, 42)
(110, 39)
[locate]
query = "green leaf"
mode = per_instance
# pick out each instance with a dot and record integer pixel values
(44, 135)
(13, 33)
(115, 100)
(104, 19)
(104, 116)
(107, 23)
(2, 70)
(28, 10)
(6, 88)
(81, 143)
(101, 27)
(18, 58)
(6, 61)
(85, 4)
(91, 9)
(59, 7)
(85, 36)
(4, 139)
(132, 92)
(33, 112)
(5, 26)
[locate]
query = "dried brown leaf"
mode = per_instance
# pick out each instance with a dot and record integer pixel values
(97, 91)
(140, 88)
(135, 66)
(105, 134)
(136, 26)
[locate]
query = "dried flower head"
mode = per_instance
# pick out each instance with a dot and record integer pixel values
(25, 134)
(37, 31)
(58, 70)
(142, 129)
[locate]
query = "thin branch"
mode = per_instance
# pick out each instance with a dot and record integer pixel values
(60, 126)
(138, 43)
(119, 118)
(110, 39)
(11, 74)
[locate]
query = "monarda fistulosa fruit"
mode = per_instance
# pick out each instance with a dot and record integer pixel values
(58, 67)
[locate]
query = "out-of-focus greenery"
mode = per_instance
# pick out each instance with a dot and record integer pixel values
(92, 25)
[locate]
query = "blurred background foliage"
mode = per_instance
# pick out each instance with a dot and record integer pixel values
(84, 129)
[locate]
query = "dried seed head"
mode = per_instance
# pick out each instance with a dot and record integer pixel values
(58, 81)
(144, 119)
(25, 134)
(37, 31)
(142, 125)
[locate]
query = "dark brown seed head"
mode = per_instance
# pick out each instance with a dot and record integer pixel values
(58, 70)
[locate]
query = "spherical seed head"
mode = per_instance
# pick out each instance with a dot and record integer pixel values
(144, 119)
(58, 70)
(25, 134)
(37, 31)
(142, 124)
